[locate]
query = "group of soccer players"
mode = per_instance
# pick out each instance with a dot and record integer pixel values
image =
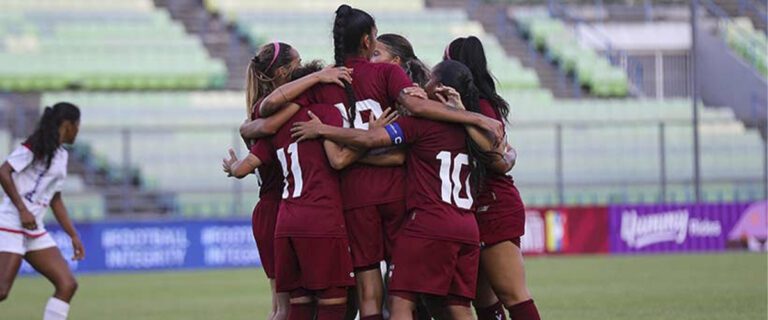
(378, 159)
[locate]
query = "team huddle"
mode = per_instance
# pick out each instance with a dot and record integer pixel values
(379, 158)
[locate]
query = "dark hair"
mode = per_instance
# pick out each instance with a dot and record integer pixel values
(457, 76)
(45, 140)
(307, 69)
(470, 52)
(349, 26)
(400, 47)
(260, 75)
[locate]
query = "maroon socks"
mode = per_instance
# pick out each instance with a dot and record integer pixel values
(525, 310)
(331, 312)
(493, 312)
(301, 311)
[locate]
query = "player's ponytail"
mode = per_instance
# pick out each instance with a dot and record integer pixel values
(45, 140)
(470, 52)
(457, 76)
(400, 47)
(260, 75)
(349, 27)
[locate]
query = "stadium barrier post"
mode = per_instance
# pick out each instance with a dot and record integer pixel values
(559, 164)
(126, 141)
(662, 162)
(695, 121)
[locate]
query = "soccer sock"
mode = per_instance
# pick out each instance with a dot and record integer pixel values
(56, 309)
(301, 311)
(492, 312)
(331, 311)
(373, 317)
(525, 310)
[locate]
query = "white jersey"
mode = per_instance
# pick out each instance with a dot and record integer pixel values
(36, 185)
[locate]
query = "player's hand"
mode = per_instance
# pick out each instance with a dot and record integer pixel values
(77, 249)
(389, 116)
(307, 130)
(335, 75)
(28, 220)
(228, 163)
(449, 96)
(493, 126)
(416, 91)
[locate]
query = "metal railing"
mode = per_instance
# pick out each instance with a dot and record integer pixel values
(570, 162)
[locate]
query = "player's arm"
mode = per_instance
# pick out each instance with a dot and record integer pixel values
(240, 168)
(366, 139)
(6, 180)
(392, 158)
(268, 126)
(429, 109)
(62, 216)
(290, 91)
(342, 156)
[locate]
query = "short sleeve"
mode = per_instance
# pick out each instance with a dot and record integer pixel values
(406, 130)
(306, 98)
(263, 150)
(397, 80)
(20, 158)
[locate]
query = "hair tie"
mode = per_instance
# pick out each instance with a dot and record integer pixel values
(447, 54)
(274, 57)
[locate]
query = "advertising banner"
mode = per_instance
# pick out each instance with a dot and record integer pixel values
(566, 230)
(137, 246)
(687, 227)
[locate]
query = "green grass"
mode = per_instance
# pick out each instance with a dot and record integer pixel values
(715, 286)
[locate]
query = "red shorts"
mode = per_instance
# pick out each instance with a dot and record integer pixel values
(507, 224)
(312, 264)
(372, 231)
(436, 267)
(263, 222)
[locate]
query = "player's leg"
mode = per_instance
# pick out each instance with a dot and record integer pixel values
(458, 308)
(51, 264)
(487, 304)
(503, 265)
(302, 305)
(9, 267)
(401, 305)
(351, 304)
(331, 303)
(366, 242)
(280, 303)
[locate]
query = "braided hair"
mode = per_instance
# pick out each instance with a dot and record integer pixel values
(457, 76)
(400, 47)
(46, 140)
(260, 75)
(349, 27)
(470, 52)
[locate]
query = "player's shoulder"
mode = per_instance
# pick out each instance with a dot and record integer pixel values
(487, 109)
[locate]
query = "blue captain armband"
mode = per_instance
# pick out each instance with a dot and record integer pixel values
(395, 133)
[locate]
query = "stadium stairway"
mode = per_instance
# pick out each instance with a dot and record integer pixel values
(513, 43)
(217, 36)
(754, 9)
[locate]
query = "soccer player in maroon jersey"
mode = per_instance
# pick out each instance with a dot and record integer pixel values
(373, 211)
(437, 251)
(500, 210)
(312, 258)
(273, 66)
(396, 49)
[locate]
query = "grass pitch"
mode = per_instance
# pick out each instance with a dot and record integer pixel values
(712, 286)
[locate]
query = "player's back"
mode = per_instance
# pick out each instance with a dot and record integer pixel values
(438, 170)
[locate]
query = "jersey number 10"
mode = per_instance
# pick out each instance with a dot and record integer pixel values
(451, 179)
(282, 155)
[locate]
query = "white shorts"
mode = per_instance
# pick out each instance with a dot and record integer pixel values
(20, 244)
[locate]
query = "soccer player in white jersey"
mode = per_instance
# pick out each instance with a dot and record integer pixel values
(32, 177)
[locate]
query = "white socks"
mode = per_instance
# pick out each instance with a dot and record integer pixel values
(56, 310)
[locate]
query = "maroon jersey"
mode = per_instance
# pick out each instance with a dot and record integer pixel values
(311, 204)
(499, 188)
(377, 87)
(270, 175)
(439, 197)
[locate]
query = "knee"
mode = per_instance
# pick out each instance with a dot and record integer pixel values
(68, 286)
(514, 297)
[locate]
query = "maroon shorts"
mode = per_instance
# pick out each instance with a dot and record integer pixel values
(436, 267)
(372, 231)
(312, 264)
(263, 222)
(499, 226)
